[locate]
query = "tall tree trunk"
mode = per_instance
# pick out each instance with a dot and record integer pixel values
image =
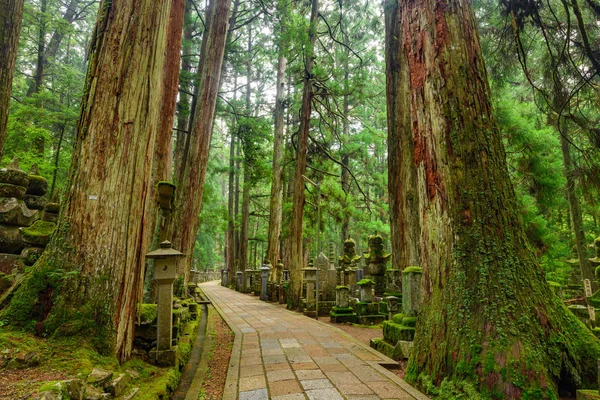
(345, 175)
(246, 187)
(188, 202)
(185, 89)
(298, 200)
(587, 271)
(489, 322)
(405, 228)
(276, 199)
(38, 76)
(163, 155)
(10, 29)
(103, 226)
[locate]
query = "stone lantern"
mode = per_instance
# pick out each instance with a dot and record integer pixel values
(309, 277)
(165, 273)
(264, 277)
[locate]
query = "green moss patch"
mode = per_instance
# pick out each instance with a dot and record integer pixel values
(365, 281)
(415, 270)
(39, 233)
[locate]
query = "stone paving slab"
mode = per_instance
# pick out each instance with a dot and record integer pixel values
(281, 355)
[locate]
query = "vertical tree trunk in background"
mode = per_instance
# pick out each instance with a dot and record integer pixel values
(296, 228)
(489, 321)
(230, 208)
(188, 202)
(103, 226)
(163, 156)
(345, 176)
(38, 76)
(587, 271)
(276, 200)
(186, 87)
(405, 228)
(246, 186)
(10, 29)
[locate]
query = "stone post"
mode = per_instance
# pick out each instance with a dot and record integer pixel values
(165, 272)
(411, 290)
(240, 281)
(392, 306)
(310, 278)
(342, 297)
(248, 280)
(264, 276)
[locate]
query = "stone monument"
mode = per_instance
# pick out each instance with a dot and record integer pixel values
(348, 264)
(375, 261)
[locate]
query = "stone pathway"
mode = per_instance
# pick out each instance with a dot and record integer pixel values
(281, 355)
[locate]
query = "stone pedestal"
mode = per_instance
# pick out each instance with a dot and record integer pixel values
(393, 306)
(248, 280)
(393, 282)
(264, 276)
(309, 277)
(239, 283)
(342, 297)
(411, 290)
(366, 291)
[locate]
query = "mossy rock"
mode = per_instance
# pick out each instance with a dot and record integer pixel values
(49, 217)
(34, 202)
(409, 321)
(341, 310)
(11, 241)
(14, 177)
(393, 332)
(413, 269)
(31, 255)
(365, 281)
(38, 185)
(148, 313)
(52, 207)
(13, 211)
(39, 233)
(10, 190)
(397, 318)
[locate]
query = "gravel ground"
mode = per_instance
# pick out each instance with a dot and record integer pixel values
(18, 384)
(222, 341)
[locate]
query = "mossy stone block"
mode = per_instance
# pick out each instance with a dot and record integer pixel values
(39, 233)
(373, 308)
(10, 190)
(52, 208)
(148, 313)
(397, 318)
(361, 308)
(342, 310)
(38, 185)
(11, 241)
(409, 321)
(34, 202)
(14, 177)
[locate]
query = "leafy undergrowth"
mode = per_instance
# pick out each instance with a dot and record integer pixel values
(72, 357)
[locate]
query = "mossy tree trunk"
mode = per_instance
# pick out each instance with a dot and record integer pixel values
(188, 201)
(405, 227)
(489, 322)
(10, 29)
(298, 198)
(276, 199)
(104, 223)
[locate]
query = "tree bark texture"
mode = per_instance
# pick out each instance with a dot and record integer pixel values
(298, 199)
(103, 227)
(405, 227)
(276, 199)
(489, 322)
(11, 16)
(188, 202)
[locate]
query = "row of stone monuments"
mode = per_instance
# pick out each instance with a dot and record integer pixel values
(367, 295)
(27, 220)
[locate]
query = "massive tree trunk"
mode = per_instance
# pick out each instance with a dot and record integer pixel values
(10, 29)
(102, 232)
(405, 227)
(188, 202)
(489, 321)
(298, 199)
(276, 200)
